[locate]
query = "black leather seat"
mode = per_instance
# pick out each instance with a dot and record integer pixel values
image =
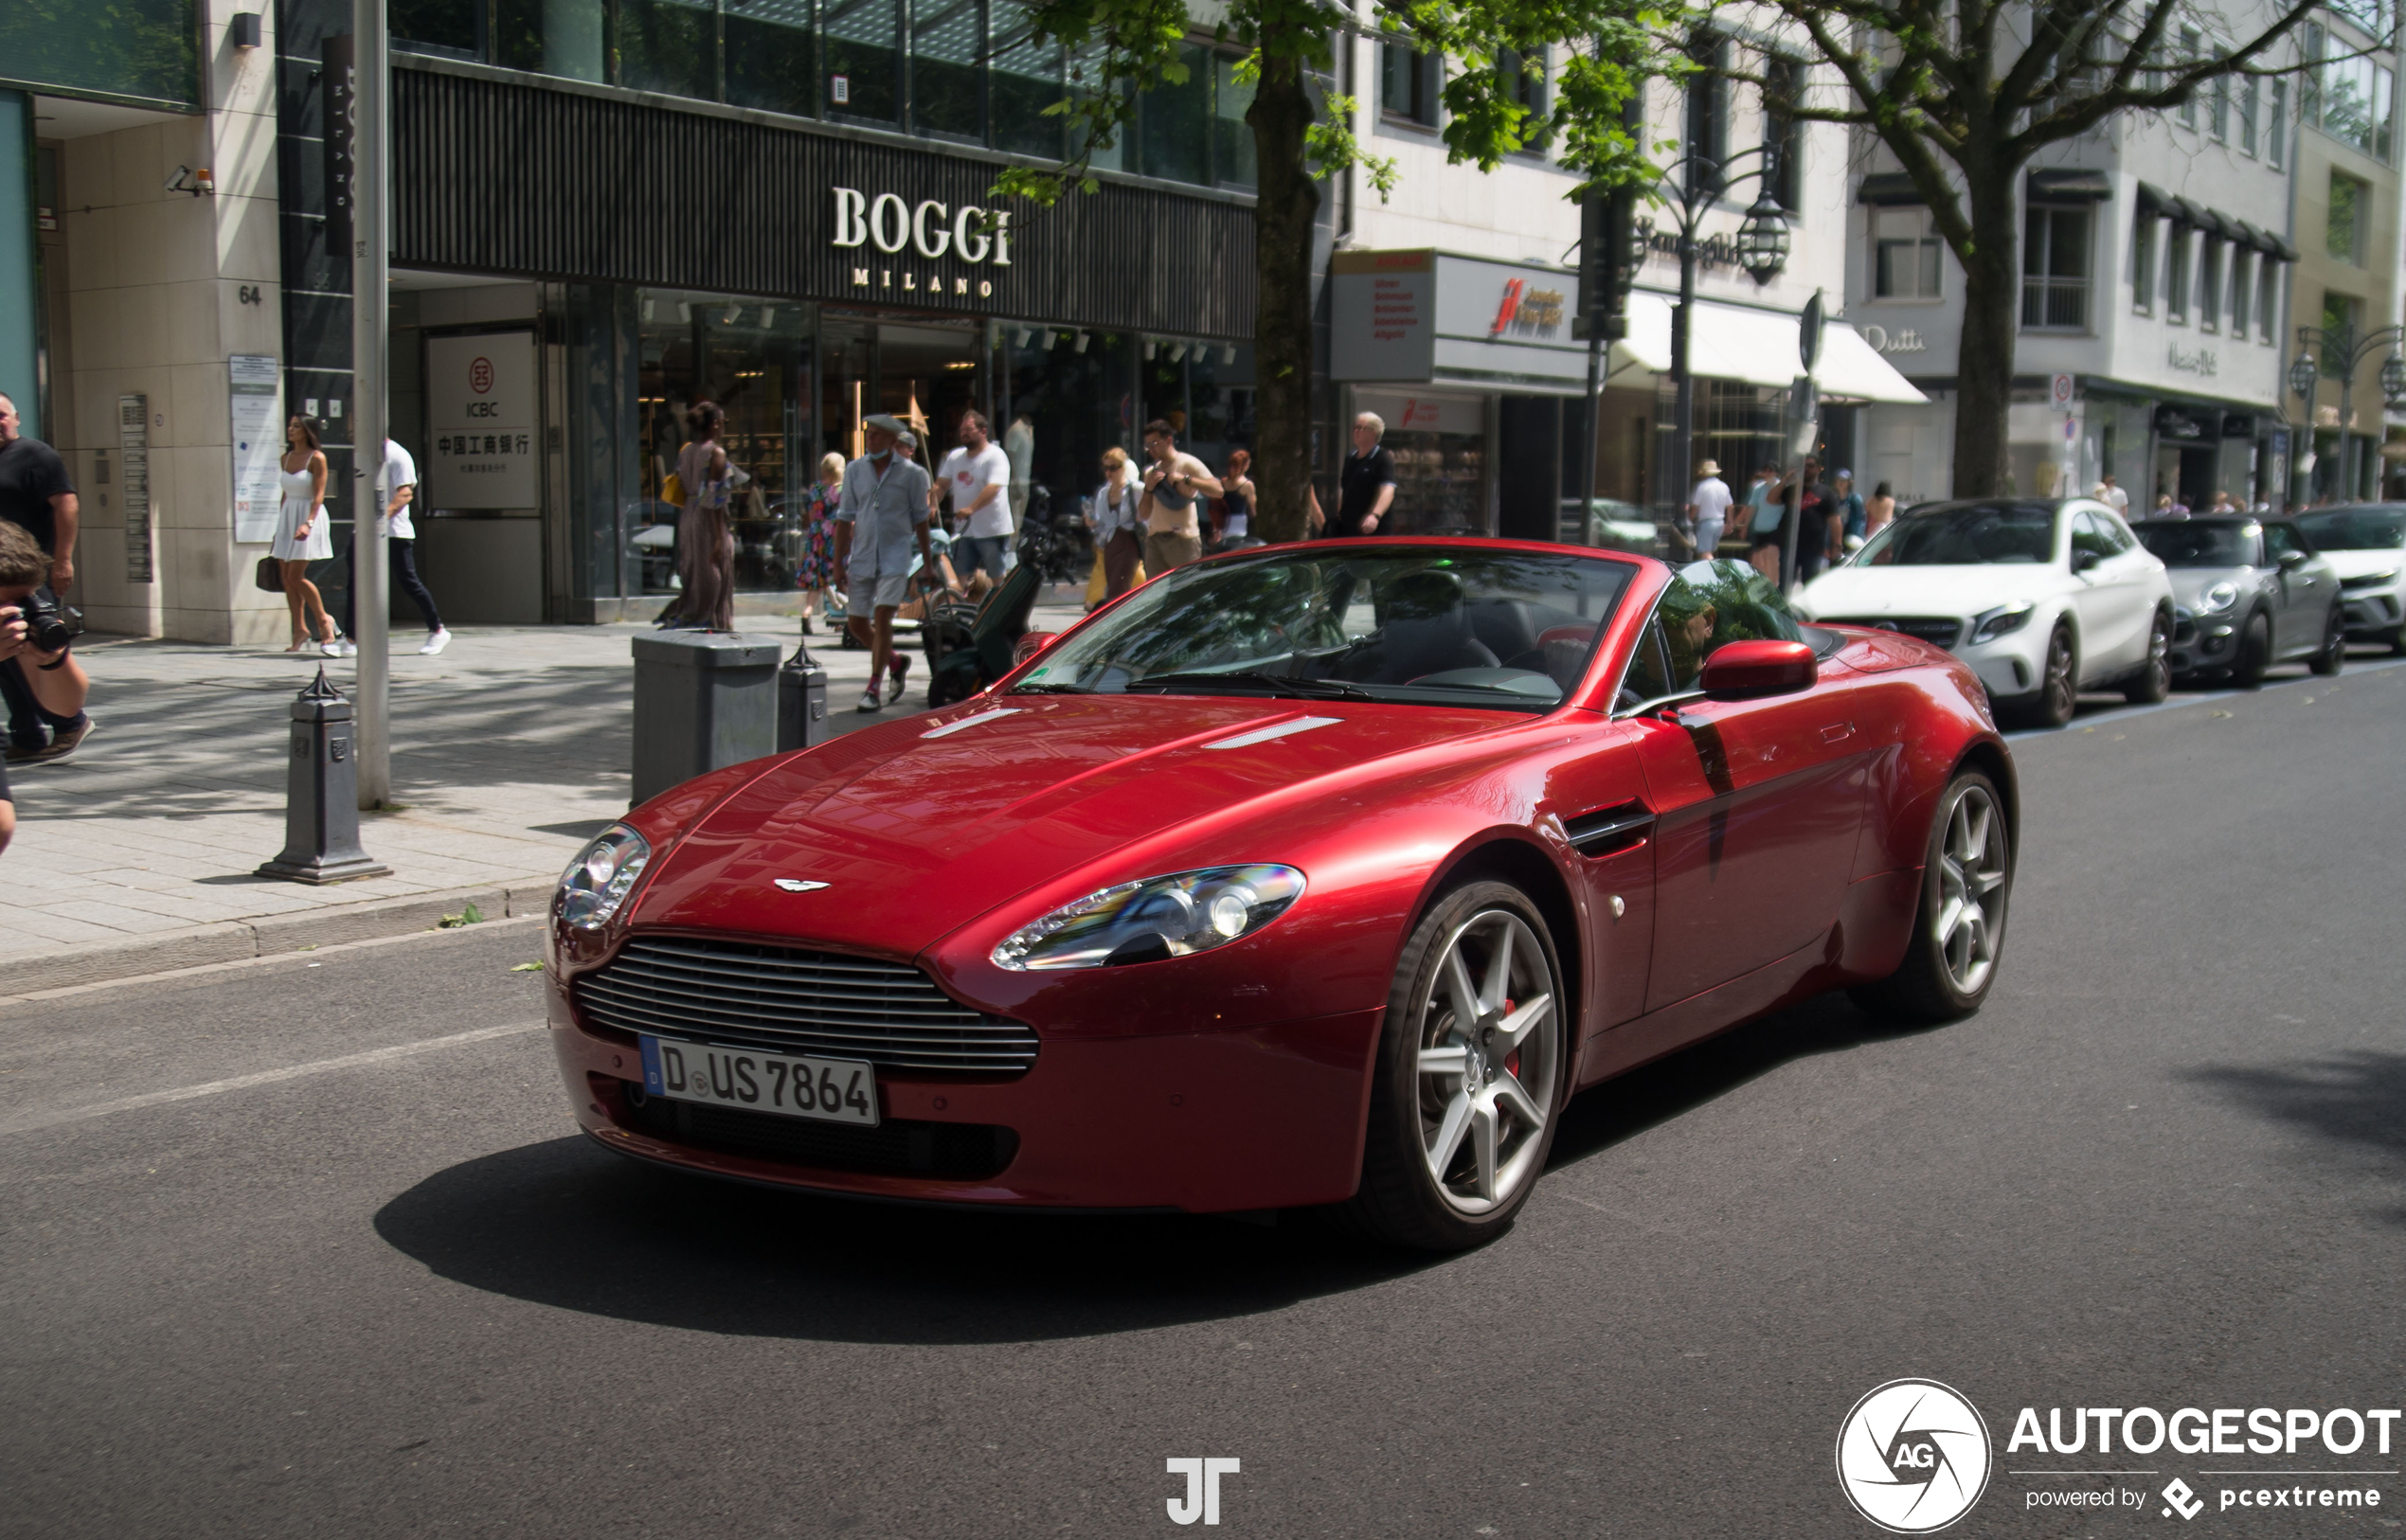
(1428, 630)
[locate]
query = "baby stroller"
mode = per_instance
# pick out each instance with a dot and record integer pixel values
(968, 645)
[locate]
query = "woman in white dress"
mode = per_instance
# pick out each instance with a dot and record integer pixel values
(301, 535)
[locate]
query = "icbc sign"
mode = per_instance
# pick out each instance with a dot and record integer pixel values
(480, 376)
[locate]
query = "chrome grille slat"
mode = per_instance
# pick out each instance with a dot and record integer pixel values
(753, 995)
(1938, 630)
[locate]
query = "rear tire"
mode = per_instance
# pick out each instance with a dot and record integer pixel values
(1472, 1073)
(1959, 926)
(2151, 684)
(2255, 652)
(2333, 656)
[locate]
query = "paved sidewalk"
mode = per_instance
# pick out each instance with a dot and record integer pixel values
(510, 749)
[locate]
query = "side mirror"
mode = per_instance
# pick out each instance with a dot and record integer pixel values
(2292, 561)
(1741, 671)
(1029, 644)
(2085, 561)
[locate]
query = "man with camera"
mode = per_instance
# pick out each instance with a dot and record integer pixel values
(37, 497)
(34, 634)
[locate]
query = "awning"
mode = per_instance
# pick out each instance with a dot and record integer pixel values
(1888, 188)
(1732, 342)
(2057, 185)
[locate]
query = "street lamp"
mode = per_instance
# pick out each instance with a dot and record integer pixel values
(2347, 353)
(1694, 184)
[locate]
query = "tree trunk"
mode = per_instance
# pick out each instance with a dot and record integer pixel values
(1992, 318)
(1283, 213)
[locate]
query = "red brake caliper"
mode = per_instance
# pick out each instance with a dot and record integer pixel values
(1512, 1060)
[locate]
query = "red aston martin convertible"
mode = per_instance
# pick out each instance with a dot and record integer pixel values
(1317, 874)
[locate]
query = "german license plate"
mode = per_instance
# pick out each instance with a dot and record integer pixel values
(831, 1090)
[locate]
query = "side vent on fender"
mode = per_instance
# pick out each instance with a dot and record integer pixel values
(1611, 831)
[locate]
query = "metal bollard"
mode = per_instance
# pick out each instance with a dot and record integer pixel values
(321, 795)
(802, 702)
(702, 700)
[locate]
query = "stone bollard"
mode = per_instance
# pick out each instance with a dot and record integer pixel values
(702, 700)
(802, 702)
(321, 795)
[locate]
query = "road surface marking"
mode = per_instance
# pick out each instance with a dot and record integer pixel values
(28, 1123)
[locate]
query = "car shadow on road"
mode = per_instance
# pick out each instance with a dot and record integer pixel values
(564, 1223)
(1627, 1105)
(2355, 1100)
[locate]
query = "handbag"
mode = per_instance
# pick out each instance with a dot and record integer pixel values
(672, 489)
(269, 578)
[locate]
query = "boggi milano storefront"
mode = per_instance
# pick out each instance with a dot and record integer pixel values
(587, 262)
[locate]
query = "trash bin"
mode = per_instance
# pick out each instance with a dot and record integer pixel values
(702, 700)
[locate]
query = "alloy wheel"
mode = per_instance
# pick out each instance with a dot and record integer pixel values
(1971, 890)
(2062, 698)
(1489, 1062)
(2160, 657)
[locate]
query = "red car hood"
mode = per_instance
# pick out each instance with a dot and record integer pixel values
(915, 836)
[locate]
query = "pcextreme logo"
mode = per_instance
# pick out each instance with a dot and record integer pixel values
(1913, 1455)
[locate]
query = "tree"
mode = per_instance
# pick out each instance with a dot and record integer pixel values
(1963, 93)
(1302, 133)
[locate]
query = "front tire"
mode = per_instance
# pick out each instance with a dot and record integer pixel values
(2255, 652)
(2333, 656)
(1473, 1069)
(2058, 692)
(1958, 927)
(2151, 684)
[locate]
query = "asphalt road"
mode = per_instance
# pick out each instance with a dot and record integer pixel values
(395, 1296)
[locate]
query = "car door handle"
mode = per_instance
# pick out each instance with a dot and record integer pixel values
(1838, 732)
(1609, 830)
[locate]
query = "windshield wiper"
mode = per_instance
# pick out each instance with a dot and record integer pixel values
(1051, 689)
(1277, 684)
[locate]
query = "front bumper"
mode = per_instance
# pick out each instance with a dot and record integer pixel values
(2009, 665)
(2203, 643)
(1255, 1117)
(2374, 614)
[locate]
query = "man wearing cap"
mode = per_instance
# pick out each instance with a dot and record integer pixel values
(1708, 509)
(879, 514)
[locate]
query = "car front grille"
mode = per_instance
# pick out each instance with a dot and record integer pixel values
(786, 1000)
(898, 1146)
(2370, 579)
(1937, 630)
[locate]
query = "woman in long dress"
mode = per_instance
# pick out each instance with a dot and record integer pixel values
(302, 534)
(816, 573)
(705, 540)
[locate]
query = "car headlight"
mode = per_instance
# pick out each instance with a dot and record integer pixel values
(1158, 918)
(599, 880)
(2218, 597)
(2005, 618)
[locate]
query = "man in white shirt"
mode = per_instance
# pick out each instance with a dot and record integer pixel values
(396, 487)
(977, 477)
(2113, 497)
(1708, 509)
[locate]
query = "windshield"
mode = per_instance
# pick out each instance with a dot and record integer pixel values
(2190, 543)
(2380, 529)
(1433, 625)
(1971, 534)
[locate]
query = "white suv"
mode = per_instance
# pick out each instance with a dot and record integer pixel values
(2043, 598)
(2365, 544)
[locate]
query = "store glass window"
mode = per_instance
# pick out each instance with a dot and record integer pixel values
(2143, 232)
(669, 46)
(864, 60)
(772, 56)
(440, 27)
(754, 359)
(1025, 79)
(1063, 398)
(947, 48)
(2054, 268)
(2343, 227)
(1232, 138)
(1904, 255)
(144, 48)
(568, 38)
(1439, 447)
(1105, 157)
(1175, 122)
(1408, 84)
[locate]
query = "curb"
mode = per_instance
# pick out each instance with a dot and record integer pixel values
(235, 941)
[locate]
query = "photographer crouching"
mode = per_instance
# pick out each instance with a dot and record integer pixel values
(35, 633)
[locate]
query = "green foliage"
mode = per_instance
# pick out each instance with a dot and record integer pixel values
(145, 49)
